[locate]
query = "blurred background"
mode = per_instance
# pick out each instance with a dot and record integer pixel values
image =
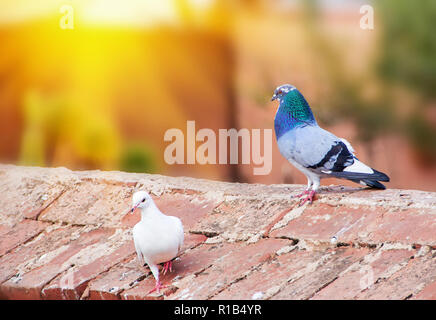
(101, 95)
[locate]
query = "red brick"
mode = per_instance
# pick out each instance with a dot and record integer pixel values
(428, 293)
(12, 237)
(23, 196)
(406, 282)
(72, 284)
(142, 290)
(350, 284)
(44, 243)
(110, 284)
(271, 274)
(323, 274)
(243, 218)
(73, 205)
(236, 261)
(322, 222)
(34, 211)
(361, 225)
(32, 282)
(112, 205)
(406, 226)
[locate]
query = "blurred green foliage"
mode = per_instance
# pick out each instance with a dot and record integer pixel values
(138, 157)
(407, 57)
(408, 47)
(408, 43)
(59, 131)
(345, 99)
(423, 136)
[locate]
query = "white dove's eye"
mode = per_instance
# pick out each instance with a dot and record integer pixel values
(143, 200)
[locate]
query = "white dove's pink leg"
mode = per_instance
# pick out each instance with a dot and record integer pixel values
(157, 287)
(155, 270)
(167, 266)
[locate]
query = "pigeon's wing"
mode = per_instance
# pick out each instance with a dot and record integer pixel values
(315, 148)
(322, 152)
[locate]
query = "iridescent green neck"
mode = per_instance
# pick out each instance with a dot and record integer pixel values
(293, 111)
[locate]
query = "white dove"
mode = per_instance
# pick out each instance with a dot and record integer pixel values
(158, 238)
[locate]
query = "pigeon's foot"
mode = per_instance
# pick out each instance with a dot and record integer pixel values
(167, 266)
(310, 197)
(305, 192)
(157, 287)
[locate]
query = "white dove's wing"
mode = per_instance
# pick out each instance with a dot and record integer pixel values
(136, 241)
(181, 234)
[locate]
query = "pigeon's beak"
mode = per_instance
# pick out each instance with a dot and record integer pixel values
(274, 97)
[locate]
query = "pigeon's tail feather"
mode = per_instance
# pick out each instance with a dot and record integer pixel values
(370, 183)
(375, 176)
(367, 176)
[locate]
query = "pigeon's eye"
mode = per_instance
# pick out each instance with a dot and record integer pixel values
(143, 200)
(280, 91)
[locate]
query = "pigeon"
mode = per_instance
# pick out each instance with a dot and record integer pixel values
(158, 238)
(314, 151)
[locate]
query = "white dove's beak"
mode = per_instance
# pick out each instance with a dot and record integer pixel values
(134, 208)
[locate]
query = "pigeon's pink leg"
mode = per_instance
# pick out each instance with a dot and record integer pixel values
(157, 287)
(309, 198)
(302, 194)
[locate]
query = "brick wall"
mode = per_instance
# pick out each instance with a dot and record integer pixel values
(67, 235)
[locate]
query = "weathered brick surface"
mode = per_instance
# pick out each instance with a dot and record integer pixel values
(242, 219)
(428, 293)
(30, 284)
(119, 278)
(363, 224)
(23, 231)
(406, 283)
(67, 235)
(25, 196)
(319, 274)
(90, 262)
(267, 280)
(34, 253)
(363, 274)
(234, 263)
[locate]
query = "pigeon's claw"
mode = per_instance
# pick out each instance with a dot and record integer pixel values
(305, 192)
(310, 198)
(157, 287)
